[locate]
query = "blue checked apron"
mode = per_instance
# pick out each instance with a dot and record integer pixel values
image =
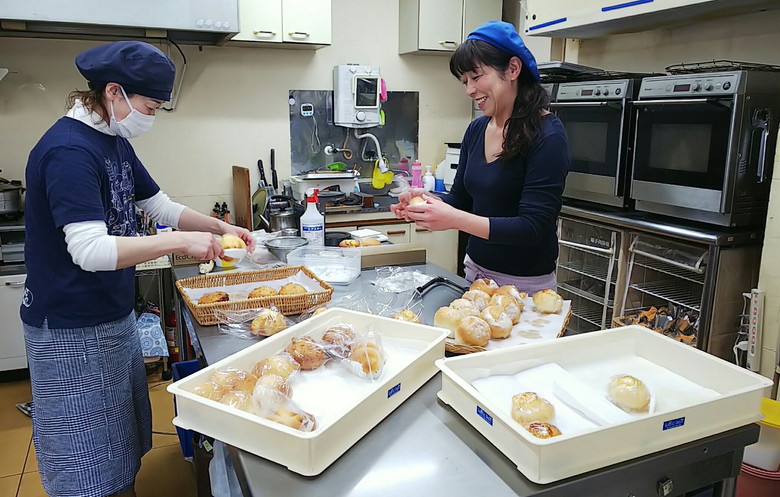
(92, 420)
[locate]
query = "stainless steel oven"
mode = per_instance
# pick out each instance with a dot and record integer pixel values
(704, 146)
(597, 118)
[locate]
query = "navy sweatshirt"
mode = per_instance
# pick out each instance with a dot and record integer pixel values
(522, 199)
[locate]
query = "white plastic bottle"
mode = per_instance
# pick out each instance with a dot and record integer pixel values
(312, 222)
(429, 182)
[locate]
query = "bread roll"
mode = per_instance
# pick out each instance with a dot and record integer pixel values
(629, 393)
(319, 310)
(448, 318)
(370, 358)
(209, 390)
(511, 291)
(548, 302)
(465, 306)
(370, 242)
(302, 421)
(229, 241)
(543, 430)
(527, 408)
(262, 291)
(239, 400)
(292, 289)
(499, 322)
(417, 201)
(306, 352)
(349, 243)
(479, 298)
(486, 285)
(406, 315)
(268, 322)
(472, 330)
(275, 382)
(338, 340)
(512, 307)
(281, 365)
(230, 379)
(213, 297)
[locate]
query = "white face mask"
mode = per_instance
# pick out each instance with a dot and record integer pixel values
(133, 125)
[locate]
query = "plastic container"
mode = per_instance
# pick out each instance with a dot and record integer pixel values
(753, 482)
(765, 454)
(417, 174)
(429, 182)
(182, 370)
(360, 404)
(313, 222)
(702, 384)
(403, 164)
(335, 265)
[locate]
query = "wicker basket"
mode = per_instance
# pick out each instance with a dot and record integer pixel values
(286, 304)
(453, 347)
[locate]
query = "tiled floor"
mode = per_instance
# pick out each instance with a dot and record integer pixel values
(164, 472)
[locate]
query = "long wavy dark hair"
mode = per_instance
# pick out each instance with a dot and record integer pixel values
(524, 125)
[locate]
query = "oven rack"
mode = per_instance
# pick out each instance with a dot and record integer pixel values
(587, 311)
(670, 269)
(675, 291)
(593, 268)
(597, 299)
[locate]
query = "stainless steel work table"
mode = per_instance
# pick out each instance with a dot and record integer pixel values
(425, 448)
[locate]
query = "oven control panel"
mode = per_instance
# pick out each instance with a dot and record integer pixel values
(690, 85)
(618, 89)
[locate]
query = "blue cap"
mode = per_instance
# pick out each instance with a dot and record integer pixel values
(503, 36)
(139, 67)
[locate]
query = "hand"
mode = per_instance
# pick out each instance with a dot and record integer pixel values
(399, 209)
(200, 245)
(243, 234)
(434, 215)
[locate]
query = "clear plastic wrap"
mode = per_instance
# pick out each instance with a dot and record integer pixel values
(307, 352)
(251, 323)
(281, 364)
(224, 381)
(395, 279)
(630, 394)
(367, 356)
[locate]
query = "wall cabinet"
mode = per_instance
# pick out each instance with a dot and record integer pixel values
(12, 351)
(439, 26)
(591, 19)
(288, 23)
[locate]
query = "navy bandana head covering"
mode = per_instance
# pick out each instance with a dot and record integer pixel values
(139, 67)
(503, 36)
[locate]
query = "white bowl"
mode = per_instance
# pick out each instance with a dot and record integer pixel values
(230, 258)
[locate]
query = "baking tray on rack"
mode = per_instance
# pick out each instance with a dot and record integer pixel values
(355, 405)
(707, 397)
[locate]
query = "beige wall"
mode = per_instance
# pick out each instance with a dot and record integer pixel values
(753, 38)
(233, 105)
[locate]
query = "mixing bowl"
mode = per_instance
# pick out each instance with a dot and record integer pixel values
(283, 245)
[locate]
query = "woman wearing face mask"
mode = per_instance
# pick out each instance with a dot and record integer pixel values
(513, 165)
(91, 412)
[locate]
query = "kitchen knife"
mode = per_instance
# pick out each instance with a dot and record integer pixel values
(263, 181)
(274, 178)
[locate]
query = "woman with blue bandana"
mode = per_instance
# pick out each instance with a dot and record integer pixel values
(91, 415)
(513, 165)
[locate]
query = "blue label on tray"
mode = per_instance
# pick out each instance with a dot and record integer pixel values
(394, 390)
(673, 423)
(487, 417)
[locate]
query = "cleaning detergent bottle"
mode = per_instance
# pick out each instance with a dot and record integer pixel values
(403, 164)
(417, 174)
(312, 222)
(429, 182)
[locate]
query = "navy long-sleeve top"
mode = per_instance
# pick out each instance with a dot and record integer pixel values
(522, 199)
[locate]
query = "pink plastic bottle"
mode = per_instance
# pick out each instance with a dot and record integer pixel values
(417, 174)
(403, 164)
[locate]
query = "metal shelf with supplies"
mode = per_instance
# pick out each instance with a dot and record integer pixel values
(587, 271)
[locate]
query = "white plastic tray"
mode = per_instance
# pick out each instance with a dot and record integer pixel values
(356, 406)
(722, 396)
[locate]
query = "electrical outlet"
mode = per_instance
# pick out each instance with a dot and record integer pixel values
(755, 327)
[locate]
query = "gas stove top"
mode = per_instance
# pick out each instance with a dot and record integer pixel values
(719, 66)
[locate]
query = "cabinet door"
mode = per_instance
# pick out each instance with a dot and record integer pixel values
(440, 24)
(12, 353)
(441, 247)
(478, 12)
(396, 233)
(260, 20)
(306, 21)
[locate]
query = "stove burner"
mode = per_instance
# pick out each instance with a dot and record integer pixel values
(718, 66)
(593, 76)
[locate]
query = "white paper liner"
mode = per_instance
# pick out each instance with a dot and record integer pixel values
(533, 326)
(241, 291)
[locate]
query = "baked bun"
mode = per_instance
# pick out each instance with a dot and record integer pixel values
(472, 330)
(512, 307)
(448, 318)
(486, 285)
(209, 390)
(479, 298)
(629, 393)
(338, 340)
(302, 421)
(262, 291)
(511, 291)
(212, 297)
(465, 306)
(370, 242)
(292, 289)
(274, 382)
(527, 408)
(229, 241)
(498, 320)
(229, 380)
(306, 352)
(543, 430)
(417, 201)
(282, 365)
(370, 358)
(349, 243)
(239, 400)
(406, 315)
(268, 322)
(548, 302)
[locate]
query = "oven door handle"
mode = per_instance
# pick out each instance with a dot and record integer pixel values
(558, 105)
(682, 101)
(762, 121)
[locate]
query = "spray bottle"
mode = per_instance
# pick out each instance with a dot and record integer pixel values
(312, 222)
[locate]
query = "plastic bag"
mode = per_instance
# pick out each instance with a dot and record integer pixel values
(274, 405)
(338, 340)
(307, 352)
(281, 364)
(398, 280)
(225, 380)
(251, 323)
(367, 357)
